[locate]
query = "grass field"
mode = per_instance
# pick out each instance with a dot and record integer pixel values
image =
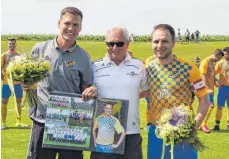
(15, 141)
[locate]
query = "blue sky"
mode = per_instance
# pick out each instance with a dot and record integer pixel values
(139, 16)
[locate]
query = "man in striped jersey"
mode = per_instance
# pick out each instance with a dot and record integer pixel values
(6, 91)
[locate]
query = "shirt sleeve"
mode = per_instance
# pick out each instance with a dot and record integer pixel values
(196, 82)
(217, 68)
(35, 52)
(203, 67)
(87, 72)
(95, 124)
(144, 85)
(118, 126)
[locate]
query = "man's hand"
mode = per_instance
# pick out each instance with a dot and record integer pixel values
(89, 93)
(210, 91)
(204, 104)
(115, 146)
(211, 105)
(26, 87)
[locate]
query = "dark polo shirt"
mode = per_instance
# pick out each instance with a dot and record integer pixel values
(69, 69)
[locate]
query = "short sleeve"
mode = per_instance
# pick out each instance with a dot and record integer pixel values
(144, 85)
(217, 68)
(87, 72)
(95, 124)
(118, 126)
(203, 67)
(35, 52)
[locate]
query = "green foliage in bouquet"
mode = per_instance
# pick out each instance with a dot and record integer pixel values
(29, 72)
(178, 125)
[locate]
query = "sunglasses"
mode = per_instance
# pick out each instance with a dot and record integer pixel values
(118, 44)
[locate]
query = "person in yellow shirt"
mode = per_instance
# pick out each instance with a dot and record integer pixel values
(107, 125)
(207, 71)
(222, 68)
(171, 83)
(6, 92)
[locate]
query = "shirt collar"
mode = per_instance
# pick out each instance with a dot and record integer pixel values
(56, 46)
(107, 60)
(155, 60)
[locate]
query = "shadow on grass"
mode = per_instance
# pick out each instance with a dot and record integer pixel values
(220, 131)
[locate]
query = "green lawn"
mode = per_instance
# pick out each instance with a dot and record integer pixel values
(15, 141)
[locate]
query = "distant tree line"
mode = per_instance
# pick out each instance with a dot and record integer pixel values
(143, 38)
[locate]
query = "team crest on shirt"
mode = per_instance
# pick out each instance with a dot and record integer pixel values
(132, 74)
(70, 63)
(164, 92)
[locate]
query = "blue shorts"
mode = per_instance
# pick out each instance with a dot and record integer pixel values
(223, 96)
(6, 92)
(211, 97)
(104, 148)
(181, 151)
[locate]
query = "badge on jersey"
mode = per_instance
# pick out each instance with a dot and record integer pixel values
(70, 63)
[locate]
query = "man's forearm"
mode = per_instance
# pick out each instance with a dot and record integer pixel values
(94, 136)
(123, 134)
(206, 83)
(143, 94)
(204, 104)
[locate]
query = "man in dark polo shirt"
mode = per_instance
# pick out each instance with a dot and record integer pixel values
(71, 73)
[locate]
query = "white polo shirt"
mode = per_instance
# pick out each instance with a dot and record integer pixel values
(122, 82)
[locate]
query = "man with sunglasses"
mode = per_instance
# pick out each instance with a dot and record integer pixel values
(119, 76)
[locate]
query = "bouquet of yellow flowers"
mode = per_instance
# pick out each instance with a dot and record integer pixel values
(28, 71)
(178, 125)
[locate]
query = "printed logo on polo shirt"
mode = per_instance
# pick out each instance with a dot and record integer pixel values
(133, 74)
(70, 63)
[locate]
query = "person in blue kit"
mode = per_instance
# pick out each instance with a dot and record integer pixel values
(171, 83)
